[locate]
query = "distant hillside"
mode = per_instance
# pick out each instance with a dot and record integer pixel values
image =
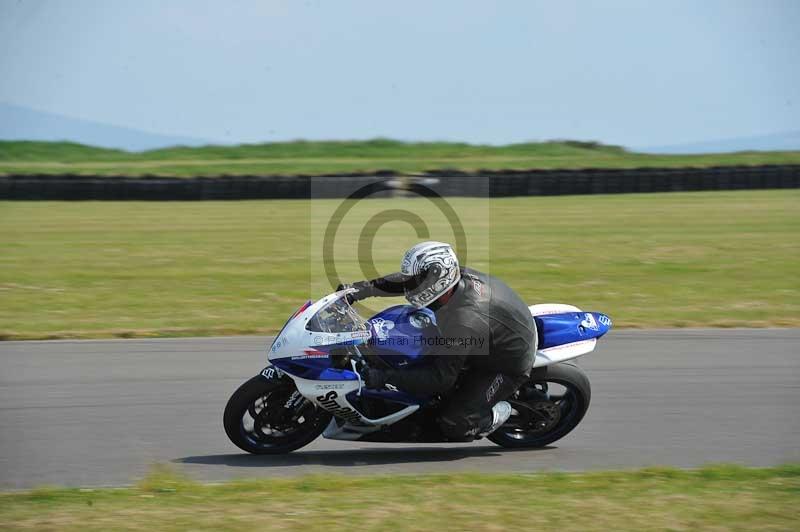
(786, 141)
(22, 123)
(315, 158)
(35, 151)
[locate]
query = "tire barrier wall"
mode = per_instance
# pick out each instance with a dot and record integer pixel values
(445, 183)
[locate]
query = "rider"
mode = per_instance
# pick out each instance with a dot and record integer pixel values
(487, 331)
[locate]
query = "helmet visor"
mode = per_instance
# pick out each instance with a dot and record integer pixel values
(423, 289)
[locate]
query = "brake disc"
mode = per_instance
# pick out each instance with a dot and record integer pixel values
(534, 417)
(547, 416)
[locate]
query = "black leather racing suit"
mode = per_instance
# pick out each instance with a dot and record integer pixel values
(487, 337)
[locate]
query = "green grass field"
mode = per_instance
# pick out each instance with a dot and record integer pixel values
(712, 498)
(122, 269)
(303, 157)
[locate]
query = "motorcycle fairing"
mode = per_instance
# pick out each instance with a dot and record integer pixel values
(397, 335)
(302, 351)
(566, 332)
(569, 327)
(336, 397)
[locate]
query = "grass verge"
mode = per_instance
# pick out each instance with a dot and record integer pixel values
(140, 269)
(711, 498)
(305, 157)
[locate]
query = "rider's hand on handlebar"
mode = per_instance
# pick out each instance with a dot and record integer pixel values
(358, 295)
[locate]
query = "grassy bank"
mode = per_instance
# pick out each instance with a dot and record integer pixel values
(350, 156)
(106, 269)
(718, 498)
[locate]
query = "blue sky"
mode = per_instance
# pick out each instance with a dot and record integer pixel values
(632, 73)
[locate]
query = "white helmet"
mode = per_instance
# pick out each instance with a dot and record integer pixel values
(433, 270)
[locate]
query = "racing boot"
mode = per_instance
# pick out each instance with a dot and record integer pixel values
(500, 414)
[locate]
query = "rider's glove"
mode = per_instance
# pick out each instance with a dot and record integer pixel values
(374, 378)
(362, 291)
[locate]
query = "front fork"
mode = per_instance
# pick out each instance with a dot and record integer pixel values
(295, 404)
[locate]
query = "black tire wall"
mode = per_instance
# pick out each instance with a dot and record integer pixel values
(445, 183)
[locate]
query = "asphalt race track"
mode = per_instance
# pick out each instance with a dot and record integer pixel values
(103, 412)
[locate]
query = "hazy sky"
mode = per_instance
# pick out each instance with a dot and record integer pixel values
(634, 73)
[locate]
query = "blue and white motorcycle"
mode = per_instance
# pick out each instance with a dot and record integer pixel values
(313, 387)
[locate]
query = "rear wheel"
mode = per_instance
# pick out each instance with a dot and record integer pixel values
(546, 408)
(269, 416)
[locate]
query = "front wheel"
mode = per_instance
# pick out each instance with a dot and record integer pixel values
(269, 416)
(546, 408)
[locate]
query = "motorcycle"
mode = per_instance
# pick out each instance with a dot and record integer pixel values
(313, 385)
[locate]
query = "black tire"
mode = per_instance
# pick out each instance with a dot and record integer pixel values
(262, 400)
(539, 420)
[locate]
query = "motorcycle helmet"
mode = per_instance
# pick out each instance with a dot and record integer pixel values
(432, 269)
